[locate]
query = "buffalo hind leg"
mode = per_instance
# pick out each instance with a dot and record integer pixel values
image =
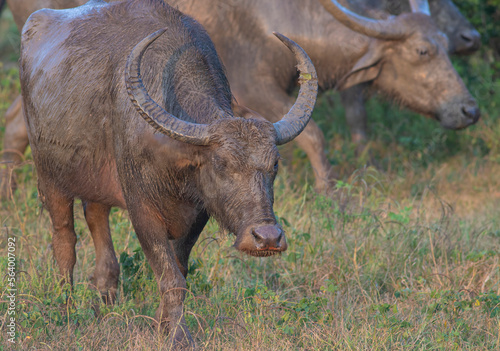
(15, 144)
(312, 141)
(60, 208)
(107, 270)
(153, 236)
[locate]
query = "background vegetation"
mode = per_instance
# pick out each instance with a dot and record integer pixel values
(404, 256)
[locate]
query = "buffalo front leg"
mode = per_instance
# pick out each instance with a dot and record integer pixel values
(353, 100)
(60, 208)
(15, 144)
(184, 245)
(152, 233)
(107, 270)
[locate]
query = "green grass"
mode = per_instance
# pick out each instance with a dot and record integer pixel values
(405, 257)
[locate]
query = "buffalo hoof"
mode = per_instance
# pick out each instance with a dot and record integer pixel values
(325, 186)
(105, 279)
(365, 155)
(180, 338)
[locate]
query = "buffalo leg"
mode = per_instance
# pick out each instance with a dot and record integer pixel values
(153, 236)
(355, 113)
(60, 208)
(183, 246)
(15, 143)
(107, 270)
(312, 141)
(354, 101)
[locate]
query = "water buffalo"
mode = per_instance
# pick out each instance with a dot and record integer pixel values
(310, 25)
(463, 39)
(186, 159)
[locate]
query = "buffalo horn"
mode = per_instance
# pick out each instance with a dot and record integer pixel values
(153, 113)
(420, 6)
(296, 119)
(387, 29)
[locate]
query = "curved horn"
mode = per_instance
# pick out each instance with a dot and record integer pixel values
(296, 119)
(153, 113)
(382, 29)
(420, 6)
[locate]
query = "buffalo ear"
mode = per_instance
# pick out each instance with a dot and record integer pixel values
(180, 154)
(366, 69)
(188, 158)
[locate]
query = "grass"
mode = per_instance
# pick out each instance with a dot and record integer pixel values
(404, 257)
(375, 273)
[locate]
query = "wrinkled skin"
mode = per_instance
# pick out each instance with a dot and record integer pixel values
(104, 153)
(243, 27)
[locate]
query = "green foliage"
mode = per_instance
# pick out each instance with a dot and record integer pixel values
(9, 38)
(135, 272)
(9, 86)
(197, 280)
(483, 14)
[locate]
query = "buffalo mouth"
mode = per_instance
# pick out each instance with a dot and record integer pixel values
(262, 253)
(262, 241)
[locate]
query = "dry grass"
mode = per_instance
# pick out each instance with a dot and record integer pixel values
(387, 271)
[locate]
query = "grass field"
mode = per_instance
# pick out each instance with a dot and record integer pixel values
(404, 256)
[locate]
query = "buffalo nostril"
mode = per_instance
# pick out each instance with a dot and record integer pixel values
(277, 242)
(258, 238)
(465, 37)
(471, 38)
(472, 113)
(267, 237)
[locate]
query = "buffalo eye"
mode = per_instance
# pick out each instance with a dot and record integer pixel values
(276, 166)
(422, 52)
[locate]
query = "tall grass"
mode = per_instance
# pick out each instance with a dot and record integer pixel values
(364, 271)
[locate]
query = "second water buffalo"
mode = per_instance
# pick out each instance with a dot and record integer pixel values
(463, 39)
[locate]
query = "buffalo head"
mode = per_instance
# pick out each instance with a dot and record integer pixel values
(407, 60)
(464, 38)
(235, 159)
